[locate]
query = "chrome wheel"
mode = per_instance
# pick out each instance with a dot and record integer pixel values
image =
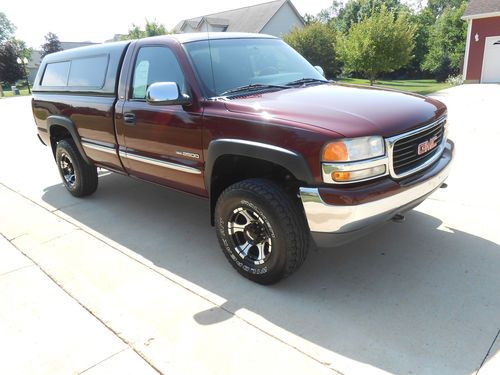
(67, 169)
(250, 235)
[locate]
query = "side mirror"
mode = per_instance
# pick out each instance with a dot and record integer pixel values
(320, 70)
(166, 93)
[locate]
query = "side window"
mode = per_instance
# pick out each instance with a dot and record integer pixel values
(56, 74)
(155, 64)
(88, 72)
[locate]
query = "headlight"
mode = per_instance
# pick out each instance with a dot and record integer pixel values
(354, 160)
(354, 149)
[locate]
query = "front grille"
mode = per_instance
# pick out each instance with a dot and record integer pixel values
(405, 157)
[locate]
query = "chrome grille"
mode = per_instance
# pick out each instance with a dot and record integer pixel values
(405, 158)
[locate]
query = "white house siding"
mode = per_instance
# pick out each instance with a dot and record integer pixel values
(188, 29)
(282, 22)
(205, 27)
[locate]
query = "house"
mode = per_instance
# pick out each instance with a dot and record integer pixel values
(482, 52)
(33, 65)
(275, 18)
(36, 58)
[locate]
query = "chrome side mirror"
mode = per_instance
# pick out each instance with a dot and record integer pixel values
(320, 70)
(166, 93)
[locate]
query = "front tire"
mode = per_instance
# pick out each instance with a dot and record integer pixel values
(262, 232)
(79, 178)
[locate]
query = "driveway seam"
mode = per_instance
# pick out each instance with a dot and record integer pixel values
(15, 270)
(61, 235)
(488, 352)
(326, 364)
(104, 360)
(88, 310)
(15, 237)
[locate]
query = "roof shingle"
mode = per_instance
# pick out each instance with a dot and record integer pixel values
(477, 7)
(250, 19)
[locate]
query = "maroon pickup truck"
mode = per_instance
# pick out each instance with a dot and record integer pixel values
(285, 157)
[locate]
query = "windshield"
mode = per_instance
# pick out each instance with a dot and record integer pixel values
(247, 61)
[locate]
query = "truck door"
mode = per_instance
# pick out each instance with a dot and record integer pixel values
(161, 143)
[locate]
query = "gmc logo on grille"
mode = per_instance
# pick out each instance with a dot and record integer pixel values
(427, 146)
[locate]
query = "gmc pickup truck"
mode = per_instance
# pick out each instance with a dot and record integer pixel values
(286, 158)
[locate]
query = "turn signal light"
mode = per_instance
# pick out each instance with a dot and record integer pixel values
(354, 149)
(335, 151)
(361, 174)
(341, 176)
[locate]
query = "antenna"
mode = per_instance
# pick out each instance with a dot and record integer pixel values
(210, 53)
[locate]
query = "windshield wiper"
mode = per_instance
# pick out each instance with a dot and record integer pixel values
(304, 81)
(253, 87)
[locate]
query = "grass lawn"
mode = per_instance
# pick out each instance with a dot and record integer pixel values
(8, 94)
(418, 86)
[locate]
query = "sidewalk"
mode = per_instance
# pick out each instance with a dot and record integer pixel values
(169, 324)
(43, 330)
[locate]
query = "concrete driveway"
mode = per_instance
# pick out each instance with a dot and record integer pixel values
(422, 297)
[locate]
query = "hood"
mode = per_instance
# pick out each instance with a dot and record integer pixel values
(349, 110)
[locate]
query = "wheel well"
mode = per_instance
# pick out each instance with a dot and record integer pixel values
(229, 169)
(58, 133)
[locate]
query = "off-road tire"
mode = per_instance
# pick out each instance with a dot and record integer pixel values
(85, 176)
(282, 219)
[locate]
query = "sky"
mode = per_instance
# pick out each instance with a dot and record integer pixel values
(99, 20)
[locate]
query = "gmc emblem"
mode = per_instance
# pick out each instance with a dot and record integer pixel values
(427, 146)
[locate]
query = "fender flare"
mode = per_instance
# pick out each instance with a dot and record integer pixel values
(290, 160)
(70, 126)
(287, 159)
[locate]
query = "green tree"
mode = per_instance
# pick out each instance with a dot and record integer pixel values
(423, 21)
(446, 43)
(329, 14)
(21, 49)
(355, 11)
(152, 28)
(51, 45)
(10, 70)
(379, 44)
(134, 32)
(7, 28)
(10, 50)
(437, 7)
(309, 19)
(316, 42)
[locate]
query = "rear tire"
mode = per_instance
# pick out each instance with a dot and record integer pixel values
(79, 178)
(262, 232)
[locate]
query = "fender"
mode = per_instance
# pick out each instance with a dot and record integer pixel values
(288, 159)
(70, 126)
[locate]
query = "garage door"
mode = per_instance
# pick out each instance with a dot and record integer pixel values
(491, 62)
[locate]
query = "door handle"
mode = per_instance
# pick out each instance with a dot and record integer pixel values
(129, 118)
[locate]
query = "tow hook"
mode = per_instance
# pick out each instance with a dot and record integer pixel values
(444, 185)
(398, 218)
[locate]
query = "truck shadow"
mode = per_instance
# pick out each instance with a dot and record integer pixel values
(408, 297)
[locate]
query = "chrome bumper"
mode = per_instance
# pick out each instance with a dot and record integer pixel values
(333, 219)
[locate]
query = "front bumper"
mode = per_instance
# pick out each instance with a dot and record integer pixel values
(332, 225)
